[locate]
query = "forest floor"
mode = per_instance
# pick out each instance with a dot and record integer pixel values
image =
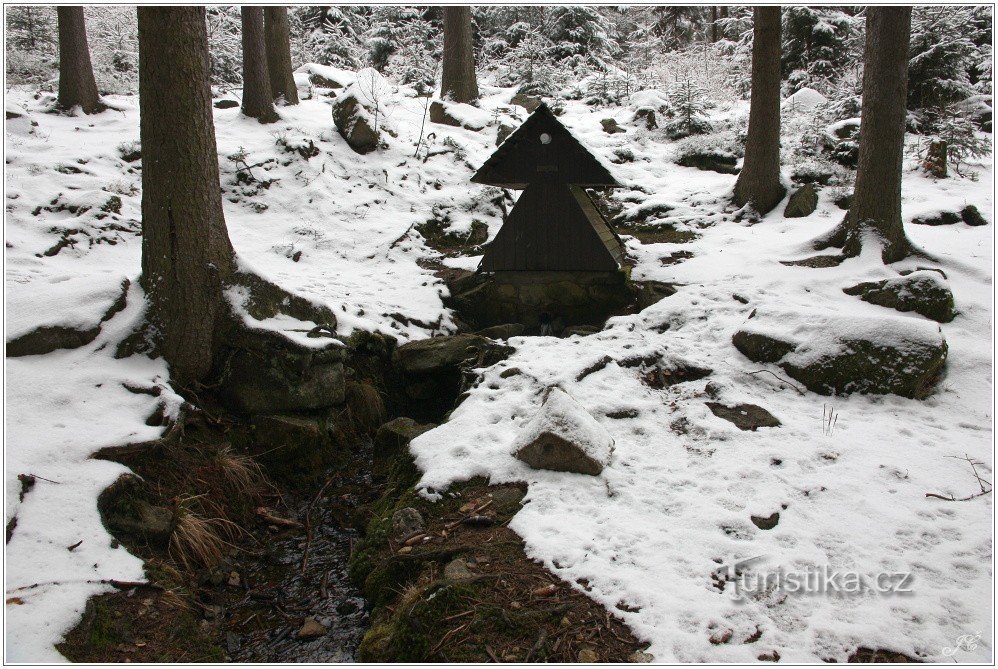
(654, 536)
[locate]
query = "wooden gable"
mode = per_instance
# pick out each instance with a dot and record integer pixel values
(542, 150)
(554, 227)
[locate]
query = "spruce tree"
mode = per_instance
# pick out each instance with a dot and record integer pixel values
(458, 81)
(278, 39)
(257, 100)
(76, 75)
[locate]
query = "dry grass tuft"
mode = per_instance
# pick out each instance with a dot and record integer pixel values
(241, 472)
(196, 541)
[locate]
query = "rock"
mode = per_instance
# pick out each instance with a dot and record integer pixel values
(273, 375)
(645, 116)
(939, 218)
(844, 201)
(457, 570)
(125, 513)
(391, 439)
(587, 656)
(528, 102)
(46, 339)
(512, 371)
(226, 104)
(580, 330)
(446, 113)
(651, 292)
(293, 446)
(311, 629)
(354, 124)
(437, 354)
(504, 131)
(773, 656)
(747, 417)
(563, 437)
(766, 522)
(971, 216)
(503, 331)
(233, 580)
(924, 292)
(406, 523)
(640, 657)
(508, 498)
(802, 203)
(712, 161)
(610, 126)
(833, 354)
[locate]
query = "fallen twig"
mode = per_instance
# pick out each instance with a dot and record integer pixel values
(780, 378)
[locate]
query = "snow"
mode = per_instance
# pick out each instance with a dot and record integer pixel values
(334, 74)
(805, 99)
(672, 505)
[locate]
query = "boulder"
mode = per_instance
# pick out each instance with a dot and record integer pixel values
(938, 218)
(923, 291)
(226, 104)
(645, 117)
(563, 437)
(503, 331)
(712, 161)
(833, 355)
(355, 124)
(844, 201)
(439, 354)
(392, 438)
(528, 102)
(802, 203)
(971, 216)
(125, 512)
(504, 131)
(610, 126)
(581, 330)
(311, 629)
(454, 114)
(272, 375)
(749, 417)
(651, 292)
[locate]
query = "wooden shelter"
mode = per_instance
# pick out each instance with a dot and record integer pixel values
(554, 226)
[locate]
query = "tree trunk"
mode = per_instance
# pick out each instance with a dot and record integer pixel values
(458, 81)
(713, 24)
(876, 203)
(186, 254)
(759, 181)
(282, 80)
(76, 74)
(257, 102)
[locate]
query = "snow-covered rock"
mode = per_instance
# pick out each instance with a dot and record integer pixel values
(326, 76)
(563, 437)
(806, 99)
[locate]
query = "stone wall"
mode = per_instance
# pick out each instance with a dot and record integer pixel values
(569, 298)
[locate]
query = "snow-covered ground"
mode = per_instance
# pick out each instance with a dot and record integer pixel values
(673, 505)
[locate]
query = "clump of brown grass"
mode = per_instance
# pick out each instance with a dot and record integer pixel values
(241, 472)
(365, 405)
(197, 541)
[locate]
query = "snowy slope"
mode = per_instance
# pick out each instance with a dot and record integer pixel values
(674, 503)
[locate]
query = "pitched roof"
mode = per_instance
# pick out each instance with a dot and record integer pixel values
(525, 157)
(553, 227)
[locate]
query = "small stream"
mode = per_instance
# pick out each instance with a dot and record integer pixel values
(280, 587)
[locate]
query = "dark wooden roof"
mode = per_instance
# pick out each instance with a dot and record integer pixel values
(554, 227)
(524, 159)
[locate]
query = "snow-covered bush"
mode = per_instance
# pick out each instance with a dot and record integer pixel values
(327, 36)
(818, 43)
(720, 144)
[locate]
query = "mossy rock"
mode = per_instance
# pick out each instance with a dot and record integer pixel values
(708, 161)
(439, 354)
(46, 339)
(923, 292)
(760, 347)
(350, 119)
(128, 515)
(802, 203)
(392, 440)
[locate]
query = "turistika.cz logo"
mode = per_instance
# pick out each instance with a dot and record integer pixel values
(816, 580)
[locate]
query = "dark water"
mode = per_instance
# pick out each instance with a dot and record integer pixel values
(281, 588)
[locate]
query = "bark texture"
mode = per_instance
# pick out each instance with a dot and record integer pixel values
(186, 254)
(278, 38)
(876, 203)
(759, 181)
(458, 81)
(76, 74)
(257, 101)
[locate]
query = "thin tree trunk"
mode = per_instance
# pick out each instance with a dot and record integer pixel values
(257, 102)
(186, 254)
(76, 74)
(458, 81)
(758, 183)
(277, 34)
(876, 203)
(713, 24)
